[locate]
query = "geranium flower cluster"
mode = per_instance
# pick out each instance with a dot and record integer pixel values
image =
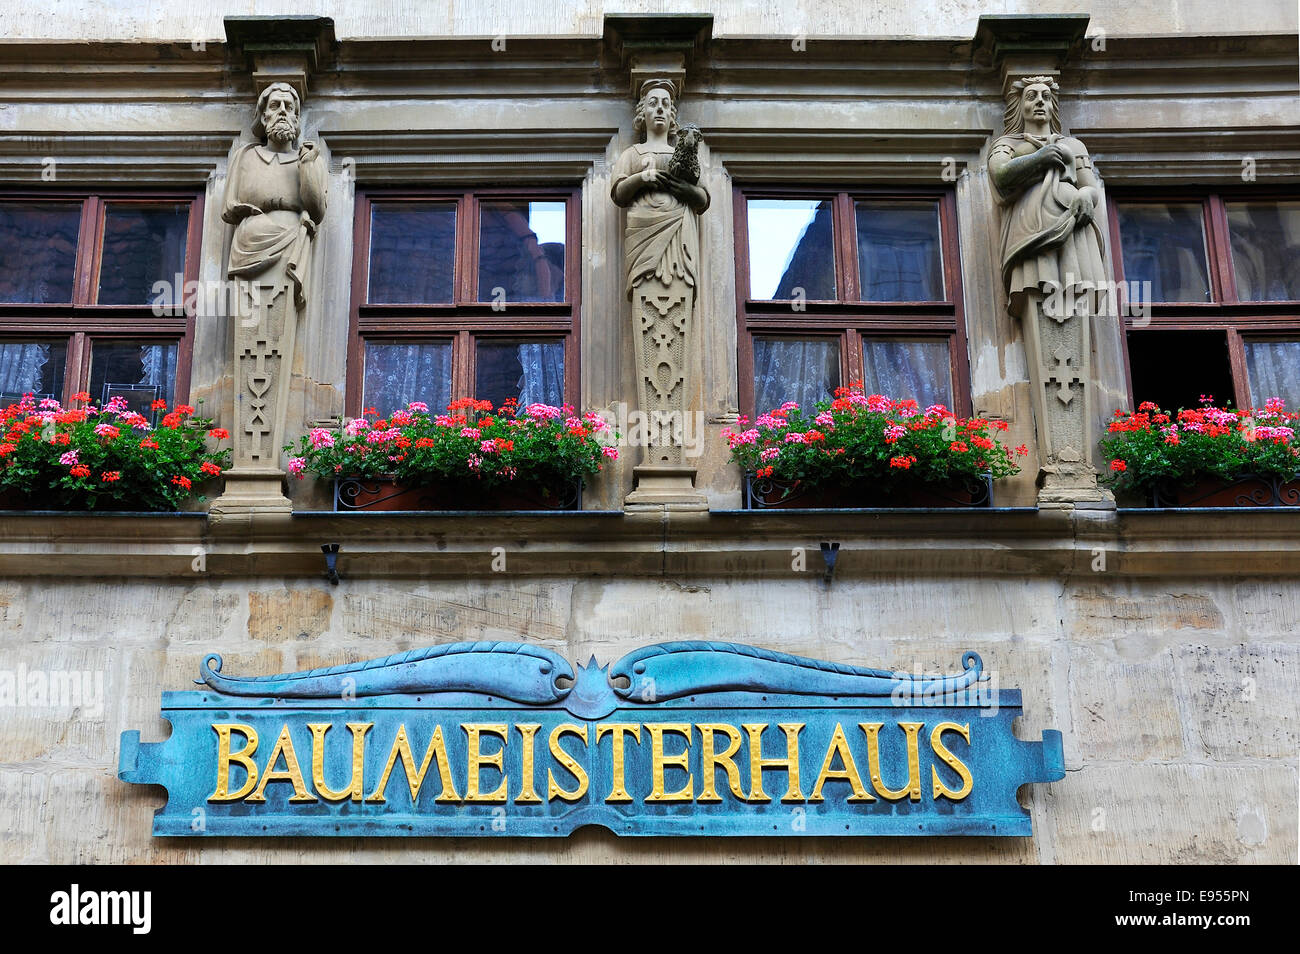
(85, 457)
(1150, 446)
(869, 440)
(473, 444)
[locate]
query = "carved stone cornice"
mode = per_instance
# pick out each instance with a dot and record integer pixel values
(457, 155)
(105, 157)
(838, 155)
(1194, 156)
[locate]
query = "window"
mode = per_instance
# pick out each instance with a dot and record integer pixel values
(1214, 288)
(464, 294)
(92, 295)
(853, 285)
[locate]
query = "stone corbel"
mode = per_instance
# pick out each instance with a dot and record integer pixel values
(280, 49)
(1020, 45)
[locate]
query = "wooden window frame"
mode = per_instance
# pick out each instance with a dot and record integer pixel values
(1260, 320)
(83, 321)
(847, 318)
(466, 319)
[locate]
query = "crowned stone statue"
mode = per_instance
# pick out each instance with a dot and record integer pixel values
(657, 181)
(1054, 271)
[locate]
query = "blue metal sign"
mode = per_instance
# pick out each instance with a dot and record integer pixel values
(506, 739)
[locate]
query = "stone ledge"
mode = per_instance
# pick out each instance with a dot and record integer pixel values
(721, 544)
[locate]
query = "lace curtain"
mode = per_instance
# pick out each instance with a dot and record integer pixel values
(397, 374)
(801, 370)
(22, 367)
(542, 381)
(1273, 368)
(920, 370)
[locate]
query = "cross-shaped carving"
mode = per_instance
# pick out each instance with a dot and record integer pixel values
(1061, 378)
(259, 379)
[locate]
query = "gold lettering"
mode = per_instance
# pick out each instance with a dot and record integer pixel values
(913, 788)
(790, 763)
(475, 759)
(354, 789)
(618, 790)
(224, 757)
(527, 733)
(711, 761)
(658, 760)
(840, 746)
(568, 761)
(291, 772)
(954, 763)
(414, 780)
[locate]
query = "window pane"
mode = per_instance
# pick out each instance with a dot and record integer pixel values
(1165, 245)
(31, 367)
(143, 245)
(791, 246)
(920, 370)
(899, 256)
(399, 372)
(521, 251)
(804, 370)
(1266, 249)
(530, 371)
(412, 252)
(141, 372)
(38, 250)
(1273, 368)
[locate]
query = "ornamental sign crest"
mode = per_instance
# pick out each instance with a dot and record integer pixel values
(501, 739)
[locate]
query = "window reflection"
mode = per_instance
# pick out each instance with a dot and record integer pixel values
(791, 247)
(899, 256)
(1266, 249)
(1164, 244)
(143, 245)
(38, 251)
(412, 252)
(521, 251)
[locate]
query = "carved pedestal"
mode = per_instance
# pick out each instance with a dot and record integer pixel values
(661, 328)
(263, 361)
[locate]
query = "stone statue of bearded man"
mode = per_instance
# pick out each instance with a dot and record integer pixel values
(275, 199)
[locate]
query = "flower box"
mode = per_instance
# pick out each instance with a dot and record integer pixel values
(764, 493)
(1206, 457)
(379, 493)
(89, 459)
(1248, 490)
(471, 458)
(869, 451)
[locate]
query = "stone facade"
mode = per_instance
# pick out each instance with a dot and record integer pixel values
(1163, 645)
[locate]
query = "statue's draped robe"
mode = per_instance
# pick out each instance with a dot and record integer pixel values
(291, 196)
(661, 260)
(270, 251)
(1043, 246)
(1054, 269)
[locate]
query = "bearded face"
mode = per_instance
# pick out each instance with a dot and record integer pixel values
(280, 119)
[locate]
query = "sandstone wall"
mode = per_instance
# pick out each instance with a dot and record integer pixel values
(1177, 702)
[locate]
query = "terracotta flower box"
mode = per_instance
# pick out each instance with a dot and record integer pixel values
(384, 494)
(1248, 490)
(763, 493)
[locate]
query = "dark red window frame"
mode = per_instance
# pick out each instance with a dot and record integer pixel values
(846, 317)
(82, 321)
(466, 319)
(1260, 320)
